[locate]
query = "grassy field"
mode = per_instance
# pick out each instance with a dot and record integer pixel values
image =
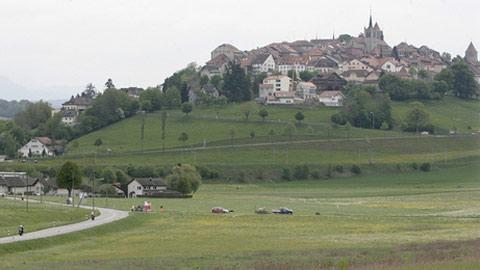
(39, 216)
(214, 125)
(381, 151)
(402, 221)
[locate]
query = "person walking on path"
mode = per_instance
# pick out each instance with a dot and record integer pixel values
(20, 230)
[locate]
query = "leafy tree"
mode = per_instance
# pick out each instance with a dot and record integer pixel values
(187, 108)
(385, 126)
(348, 127)
(423, 74)
(217, 81)
(289, 131)
(301, 172)
(464, 84)
(109, 84)
(271, 133)
(446, 75)
(69, 177)
(439, 88)
(34, 115)
(306, 75)
(365, 110)
(252, 134)
(151, 99)
(418, 119)
(112, 106)
(299, 116)
(184, 179)
(184, 80)
(108, 176)
(172, 98)
(263, 113)
(344, 38)
(55, 129)
(90, 91)
(257, 80)
(183, 138)
(98, 142)
(121, 177)
(236, 84)
(8, 144)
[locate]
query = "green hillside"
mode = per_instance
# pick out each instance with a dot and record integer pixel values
(214, 125)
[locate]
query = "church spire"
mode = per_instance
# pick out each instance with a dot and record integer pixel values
(370, 25)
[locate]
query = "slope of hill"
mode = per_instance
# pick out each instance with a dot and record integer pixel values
(213, 126)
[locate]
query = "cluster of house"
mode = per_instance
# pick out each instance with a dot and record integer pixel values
(19, 183)
(361, 59)
(76, 105)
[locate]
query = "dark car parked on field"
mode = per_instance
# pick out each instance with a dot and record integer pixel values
(283, 211)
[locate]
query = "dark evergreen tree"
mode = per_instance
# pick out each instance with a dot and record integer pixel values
(236, 84)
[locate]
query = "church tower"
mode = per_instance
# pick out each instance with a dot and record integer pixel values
(373, 34)
(471, 54)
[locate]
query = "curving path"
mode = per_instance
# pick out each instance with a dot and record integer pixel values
(106, 216)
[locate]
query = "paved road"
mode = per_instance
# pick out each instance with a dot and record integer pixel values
(106, 216)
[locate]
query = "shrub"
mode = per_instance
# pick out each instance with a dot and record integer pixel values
(339, 168)
(356, 169)
(184, 179)
(315, 175)
(301, 172)
(98, 142)
(207, 173)
(414, 166)
(425, 167)
(141, 171)
(286, 175)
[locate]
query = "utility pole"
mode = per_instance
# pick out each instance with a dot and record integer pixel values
(27, 194)
(142, 130)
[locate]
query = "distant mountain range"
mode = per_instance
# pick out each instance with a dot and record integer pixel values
(10, 90)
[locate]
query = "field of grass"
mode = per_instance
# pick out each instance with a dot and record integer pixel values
(39, 216)
(407, 221)
(213, 126)
(449, 113)
(379, 151)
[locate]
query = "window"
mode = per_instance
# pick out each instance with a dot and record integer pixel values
(139, 188)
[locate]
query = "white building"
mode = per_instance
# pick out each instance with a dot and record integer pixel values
(355, 64)
(72, 108)
(306, 90)
(146, 187)
(331, 98)
(280, 83)
(263, 63)
(282, 98)
(38, 146)
(289, 63)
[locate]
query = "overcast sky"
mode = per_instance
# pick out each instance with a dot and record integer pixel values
(54, 47)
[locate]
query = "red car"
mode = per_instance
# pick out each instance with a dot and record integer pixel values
(220, 210)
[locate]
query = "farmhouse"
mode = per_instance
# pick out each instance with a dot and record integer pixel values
(146, 187)
(19, 183)
(38, 146)
(331, 98)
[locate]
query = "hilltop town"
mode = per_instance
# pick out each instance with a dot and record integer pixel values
(331, 64)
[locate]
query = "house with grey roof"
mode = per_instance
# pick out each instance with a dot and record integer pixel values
(146, 187)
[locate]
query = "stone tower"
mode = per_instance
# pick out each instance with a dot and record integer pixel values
(373, 35)
(471, 54)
